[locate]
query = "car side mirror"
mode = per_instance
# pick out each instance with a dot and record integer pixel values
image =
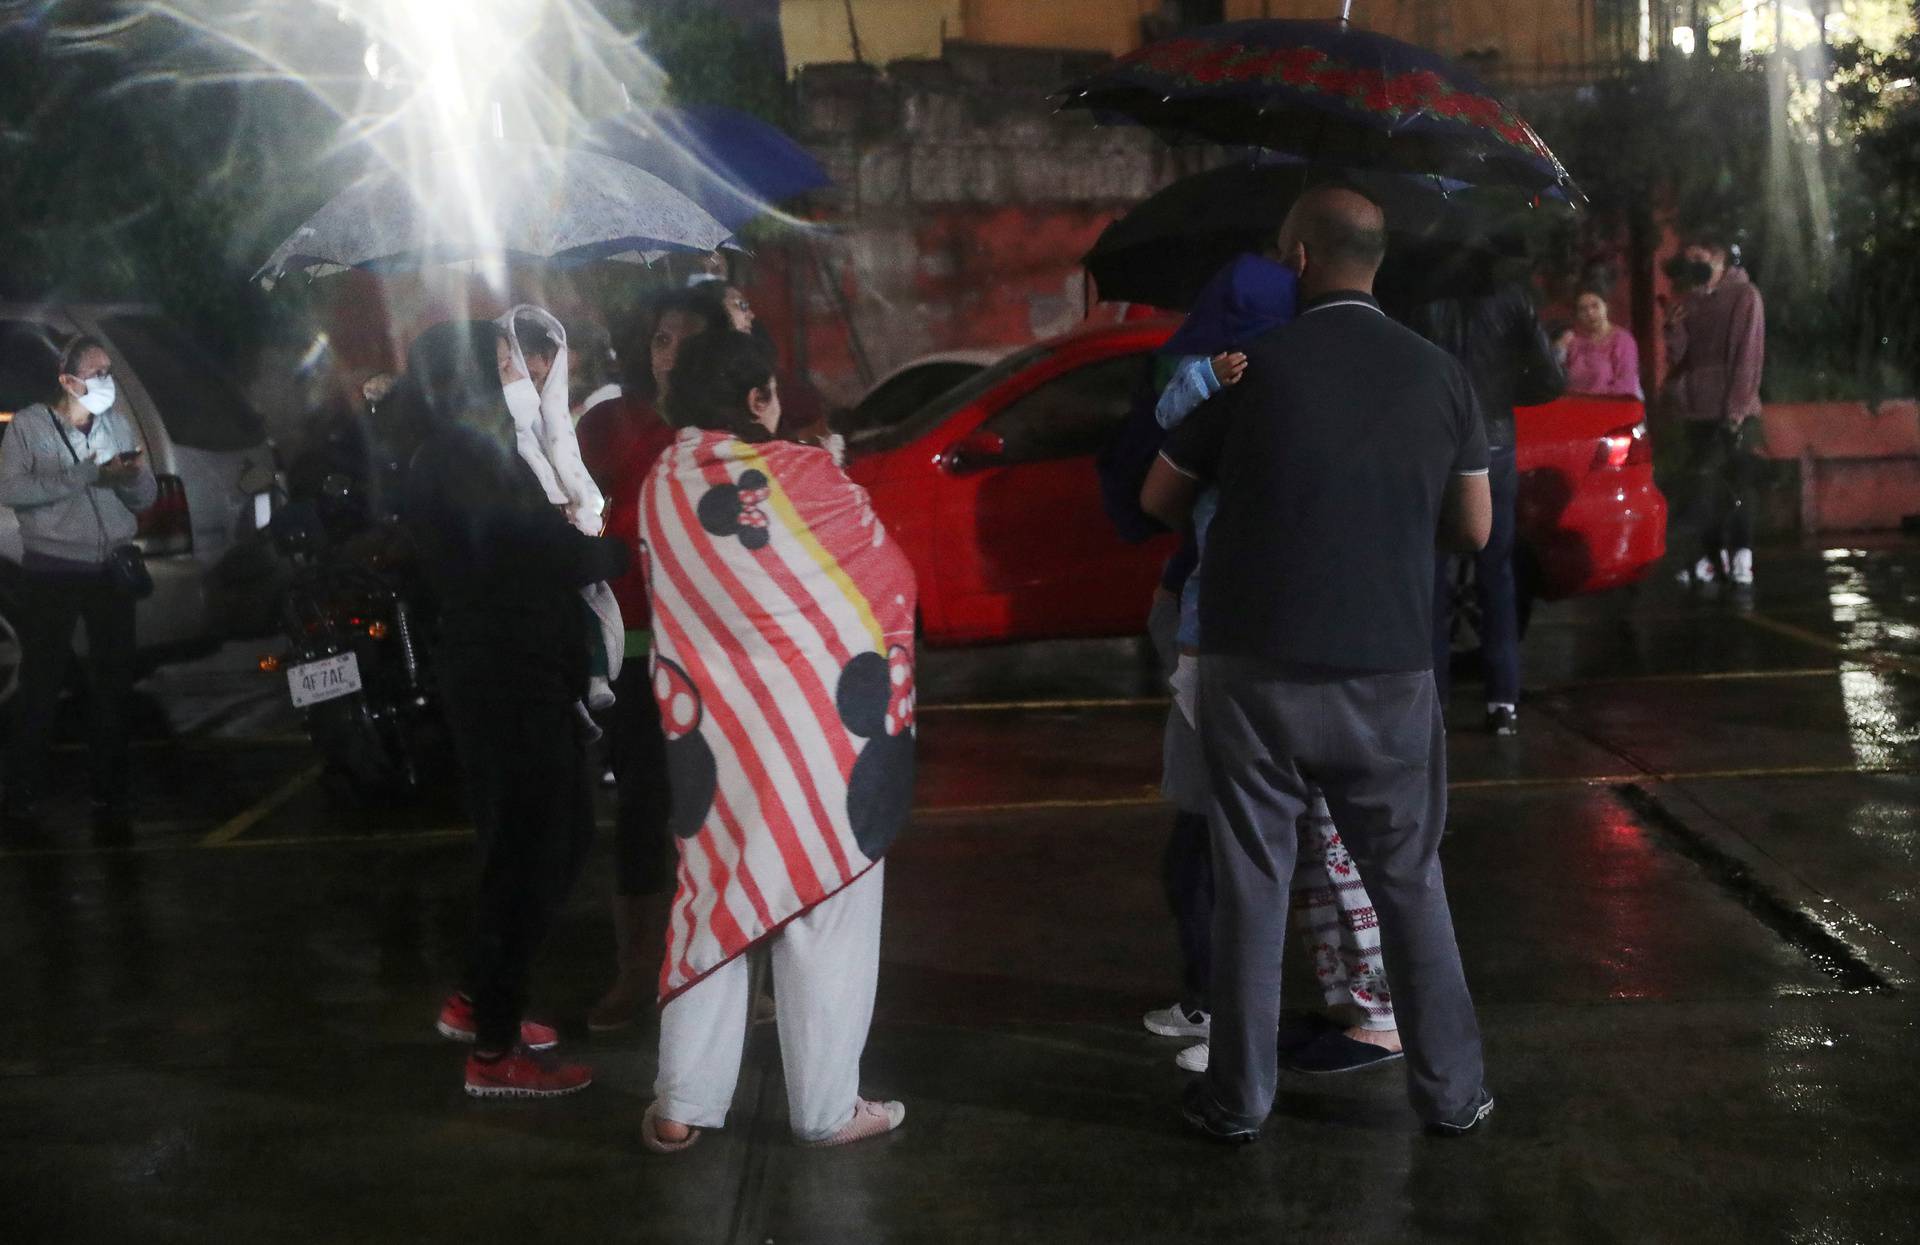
(975, 452)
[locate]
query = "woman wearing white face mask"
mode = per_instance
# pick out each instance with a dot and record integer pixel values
(532, 355)
(72, 469)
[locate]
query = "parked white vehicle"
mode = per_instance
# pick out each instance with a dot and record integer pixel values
(214, 568)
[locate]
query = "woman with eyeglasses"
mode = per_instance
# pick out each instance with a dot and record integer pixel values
(73, 470)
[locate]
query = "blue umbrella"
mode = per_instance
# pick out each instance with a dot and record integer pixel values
(734, 165)
(553, 204)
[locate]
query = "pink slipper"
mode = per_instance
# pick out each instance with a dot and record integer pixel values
(650, 1135)
(870, 1119)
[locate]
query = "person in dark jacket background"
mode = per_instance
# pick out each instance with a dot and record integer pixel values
(1498, 338)
(1716, 350)
(506, 568)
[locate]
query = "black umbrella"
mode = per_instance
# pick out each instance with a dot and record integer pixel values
(1164, 250)
(1323, 91)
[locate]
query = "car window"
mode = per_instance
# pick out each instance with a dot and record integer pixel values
(1071, 415)
(199, 404)
(930, 416)
(23, 365)
(908, 392)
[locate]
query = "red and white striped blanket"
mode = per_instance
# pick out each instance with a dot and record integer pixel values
(783, 619)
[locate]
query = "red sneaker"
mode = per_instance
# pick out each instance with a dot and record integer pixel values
(520, 1074)
(456, 1022)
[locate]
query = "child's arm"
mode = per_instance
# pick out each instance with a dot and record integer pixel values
(1197, 379)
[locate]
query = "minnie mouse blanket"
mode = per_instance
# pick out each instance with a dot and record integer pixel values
(783, 664)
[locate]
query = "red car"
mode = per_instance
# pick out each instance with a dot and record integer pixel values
(992, 491)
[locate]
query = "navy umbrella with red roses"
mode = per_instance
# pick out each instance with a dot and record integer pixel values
(1326, 93)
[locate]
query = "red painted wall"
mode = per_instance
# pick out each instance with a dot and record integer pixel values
(857, 299)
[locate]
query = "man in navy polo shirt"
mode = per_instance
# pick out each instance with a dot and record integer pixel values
(1348, 452)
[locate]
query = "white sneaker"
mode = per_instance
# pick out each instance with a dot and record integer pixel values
(1740, 567)
(1702, 572)
(1177, 1021)
(1194, 1058)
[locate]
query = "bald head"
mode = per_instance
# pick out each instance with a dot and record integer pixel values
(1336, 237)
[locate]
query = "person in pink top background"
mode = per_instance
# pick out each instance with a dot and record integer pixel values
(1599, 356)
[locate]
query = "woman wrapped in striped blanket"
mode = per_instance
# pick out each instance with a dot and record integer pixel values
(783, 663)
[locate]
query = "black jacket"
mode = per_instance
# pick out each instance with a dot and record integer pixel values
(506, 568)
(1498, 338)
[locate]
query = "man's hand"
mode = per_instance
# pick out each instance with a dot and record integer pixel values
(1229, 366)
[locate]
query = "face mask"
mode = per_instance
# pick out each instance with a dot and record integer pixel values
(523, 402)
(99, 397)
(1699, 272)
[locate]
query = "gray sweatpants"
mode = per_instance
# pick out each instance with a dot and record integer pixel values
(1375, 746)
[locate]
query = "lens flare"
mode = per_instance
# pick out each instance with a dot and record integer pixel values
(412, 86)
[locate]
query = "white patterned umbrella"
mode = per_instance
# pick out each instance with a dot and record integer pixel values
(497, 202)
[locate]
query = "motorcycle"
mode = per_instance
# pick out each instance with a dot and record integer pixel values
(355, 660)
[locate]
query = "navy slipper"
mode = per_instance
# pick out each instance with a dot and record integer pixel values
(1301, 1031)
(1335, 1052)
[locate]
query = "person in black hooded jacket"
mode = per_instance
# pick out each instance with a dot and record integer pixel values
(506, 568)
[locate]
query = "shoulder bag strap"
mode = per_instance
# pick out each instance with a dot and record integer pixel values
(99, 519)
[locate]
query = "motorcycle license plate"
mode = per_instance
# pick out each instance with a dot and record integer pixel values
(320, 681)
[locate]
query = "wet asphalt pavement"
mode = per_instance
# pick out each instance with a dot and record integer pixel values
(1688, 898)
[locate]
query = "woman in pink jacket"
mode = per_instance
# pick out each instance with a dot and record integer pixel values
(1600, 357)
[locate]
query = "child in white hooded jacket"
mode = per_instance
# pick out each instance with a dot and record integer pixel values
(530, 339)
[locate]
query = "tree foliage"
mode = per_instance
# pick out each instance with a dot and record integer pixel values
(713, 57)
(130, 186)
(1812, 162)
(1879, 103)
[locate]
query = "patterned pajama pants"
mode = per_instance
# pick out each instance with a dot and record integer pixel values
(1334, 920)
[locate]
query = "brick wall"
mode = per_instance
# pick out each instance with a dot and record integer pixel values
(960, 208)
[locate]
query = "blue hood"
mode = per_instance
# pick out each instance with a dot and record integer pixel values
(1250, 296)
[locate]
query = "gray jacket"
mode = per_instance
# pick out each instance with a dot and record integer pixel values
(64, 511)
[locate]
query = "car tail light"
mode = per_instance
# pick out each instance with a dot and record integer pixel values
(1623, 447)
(166, 528)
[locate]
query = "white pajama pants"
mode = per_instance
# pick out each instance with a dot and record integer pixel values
(825, 965)
(1335, 920)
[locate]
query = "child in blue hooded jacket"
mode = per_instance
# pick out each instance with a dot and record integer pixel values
(1251, 296)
